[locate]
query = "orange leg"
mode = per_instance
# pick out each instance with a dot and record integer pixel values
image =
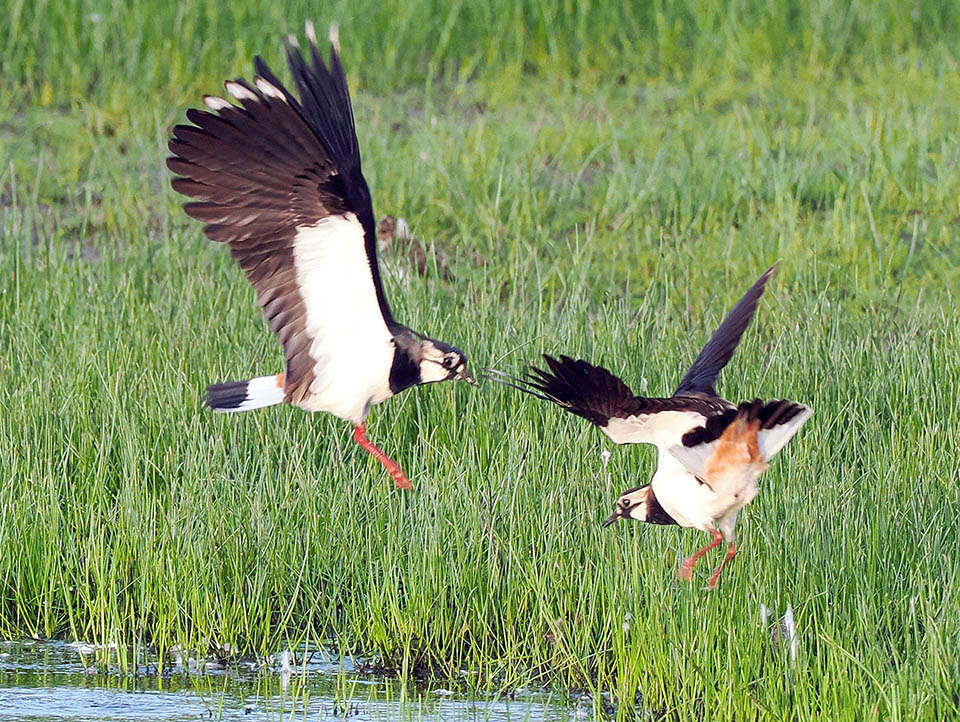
(686, 569)
(399, 478)
(731, 553)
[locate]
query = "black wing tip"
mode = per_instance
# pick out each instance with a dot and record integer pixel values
(585, 389)
(325, 97)
(568, 369)
(702, 375)
(327, 69)
(558, 372)
(553, 365)
(310, 30)
(567, 382)
(748, 302)
(564, 364)
(761, 283)
(260, 66)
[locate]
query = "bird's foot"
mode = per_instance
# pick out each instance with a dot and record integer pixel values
(731, 553)
(400, 479)
(686, 568)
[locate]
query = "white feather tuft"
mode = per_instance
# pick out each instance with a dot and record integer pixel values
(663, 429)
(789, 627)
(334, 35)
(239, 92)
(215, 103)
(402, 231)
(268, 88)
(311, 32)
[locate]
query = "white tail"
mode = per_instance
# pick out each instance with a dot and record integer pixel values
(246, 395)
(772, 440)
(769, 440)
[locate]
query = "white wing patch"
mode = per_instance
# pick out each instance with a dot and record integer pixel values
(662, 429)
(351, 344)
(695, 458)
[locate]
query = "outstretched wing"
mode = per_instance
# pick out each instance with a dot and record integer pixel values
(604, 400)
(279, 179)
(719, 349)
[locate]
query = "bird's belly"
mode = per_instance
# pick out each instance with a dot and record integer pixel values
(737, 499)
(692, 503)
(347, 385)
(350, 345)
(689, 502)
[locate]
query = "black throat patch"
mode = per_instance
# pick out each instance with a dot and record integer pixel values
(656, 513)
(405, 370)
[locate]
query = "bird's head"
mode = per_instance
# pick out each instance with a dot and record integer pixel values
(632, 504)
(442, 362)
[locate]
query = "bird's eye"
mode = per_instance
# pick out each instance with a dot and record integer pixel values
(625, 503)
(449, 362)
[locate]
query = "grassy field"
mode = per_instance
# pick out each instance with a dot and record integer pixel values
(604, 183)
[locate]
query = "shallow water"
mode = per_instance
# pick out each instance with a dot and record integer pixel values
(49, 681)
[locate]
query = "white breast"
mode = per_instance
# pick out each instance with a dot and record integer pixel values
(351, 344)
(684, 498)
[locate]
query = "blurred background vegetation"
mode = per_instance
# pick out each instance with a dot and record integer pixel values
(129, 55)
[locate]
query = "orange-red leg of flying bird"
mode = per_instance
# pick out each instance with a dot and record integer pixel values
(399, 478)
(686, 569)
(731, 553)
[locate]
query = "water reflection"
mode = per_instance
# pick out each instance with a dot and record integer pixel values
(49, 681)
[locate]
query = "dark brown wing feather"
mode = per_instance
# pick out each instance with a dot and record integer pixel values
(719, 350)
(596, 394)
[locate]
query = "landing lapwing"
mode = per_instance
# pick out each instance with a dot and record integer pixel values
(710, 451)
(278, 178)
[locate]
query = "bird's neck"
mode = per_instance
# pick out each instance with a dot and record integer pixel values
(656, 514)
(405, 370)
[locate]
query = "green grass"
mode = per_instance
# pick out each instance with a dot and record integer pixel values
(580, 213)
(72, 50)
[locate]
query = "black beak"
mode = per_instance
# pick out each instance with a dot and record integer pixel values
(464, 375)
(612, 518)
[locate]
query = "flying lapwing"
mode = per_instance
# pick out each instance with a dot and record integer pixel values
(278, 178)
(710, 451)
